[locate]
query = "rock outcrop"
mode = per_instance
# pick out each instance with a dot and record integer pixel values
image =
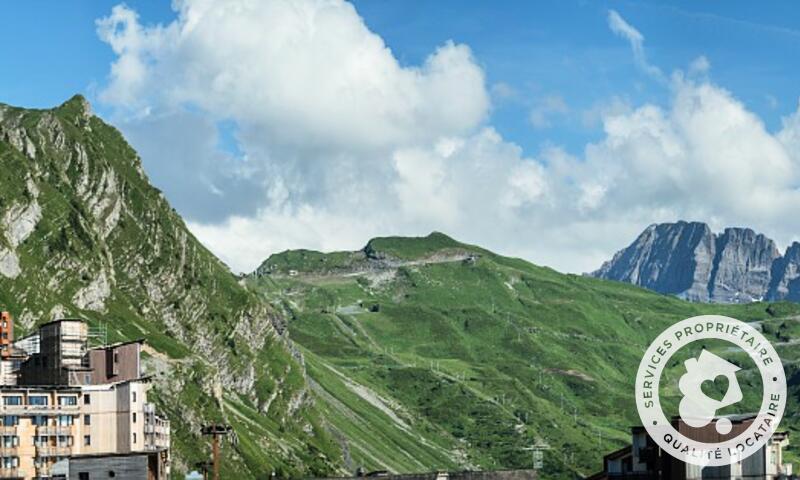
(84, 234)
(688, 260)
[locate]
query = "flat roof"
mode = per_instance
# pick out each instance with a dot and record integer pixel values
(119, 344)
(118, 454)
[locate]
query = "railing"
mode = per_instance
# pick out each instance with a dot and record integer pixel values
(50, 451)
(23, 410)
(54, 430)
(10, 473)
(9, 451)
(11, 430)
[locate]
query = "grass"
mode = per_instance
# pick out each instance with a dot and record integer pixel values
(486, 357)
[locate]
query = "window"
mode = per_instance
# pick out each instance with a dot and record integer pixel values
(83, 475)
(65, 420)
(9, 441)
(68, 401)
(37, 400)
(10, 420)
(10, 462)
(39, 420)
(87, 440)
(134, 397)
(134, 437)
(87, 399)
(134, 417)
(116, 357)
(12, 400)
(87, 419)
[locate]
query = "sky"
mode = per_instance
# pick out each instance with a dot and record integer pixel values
(554, 131)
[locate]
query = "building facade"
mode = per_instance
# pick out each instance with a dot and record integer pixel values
(644, 459)
(62, 399)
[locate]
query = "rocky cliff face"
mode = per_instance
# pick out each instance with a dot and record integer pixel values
(688, 260)
(83, 234)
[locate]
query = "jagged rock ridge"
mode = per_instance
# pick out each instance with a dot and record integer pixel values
(688, 260)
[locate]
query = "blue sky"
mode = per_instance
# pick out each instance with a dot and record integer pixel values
(539, 48)
(585, 147)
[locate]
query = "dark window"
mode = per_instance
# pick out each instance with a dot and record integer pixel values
(134, 397)
(87, 419)
(112, 473)
(37, 400)
(15, 400)
(134, 417)
(87, 440)
(10, 420)
(87, 399)
(83, 475)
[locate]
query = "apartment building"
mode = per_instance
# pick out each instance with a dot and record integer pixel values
(65, 400)
(644, 459)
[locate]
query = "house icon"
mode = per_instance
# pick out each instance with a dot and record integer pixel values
(697, 409)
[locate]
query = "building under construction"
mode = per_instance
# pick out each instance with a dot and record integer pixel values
(69, 410)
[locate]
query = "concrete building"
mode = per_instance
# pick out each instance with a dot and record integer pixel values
(120, 466)
(68, 400)
(6, 334)
(644, 459)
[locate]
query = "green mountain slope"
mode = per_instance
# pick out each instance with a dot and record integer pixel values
(427, 353)
(82, 233)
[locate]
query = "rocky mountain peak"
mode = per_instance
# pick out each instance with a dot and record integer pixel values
(688, 260)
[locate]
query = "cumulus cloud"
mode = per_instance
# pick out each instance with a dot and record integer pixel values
(337, 142)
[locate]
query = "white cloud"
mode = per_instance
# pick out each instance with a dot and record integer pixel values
(305, 72)
(338, 142)
(619, 26)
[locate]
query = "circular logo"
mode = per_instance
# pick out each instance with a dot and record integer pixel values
(725, 439)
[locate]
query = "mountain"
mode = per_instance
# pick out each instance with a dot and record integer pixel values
(83, 233)
(411, 354)
(428, 353)
(686, 259)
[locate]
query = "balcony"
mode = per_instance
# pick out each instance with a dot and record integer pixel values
(8, 430)
(9, 451)
(22, 410)
(10, 473)
(50, 451)
(50, 430)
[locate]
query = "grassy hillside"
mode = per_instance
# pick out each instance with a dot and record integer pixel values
(427, 353)
(83, 234)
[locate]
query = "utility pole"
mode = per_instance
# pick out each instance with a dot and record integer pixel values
(204, 467)
(537, 453)
(215, 430)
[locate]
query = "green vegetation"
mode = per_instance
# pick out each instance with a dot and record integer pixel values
(427, 341)
(107, 247)
(413, 354)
